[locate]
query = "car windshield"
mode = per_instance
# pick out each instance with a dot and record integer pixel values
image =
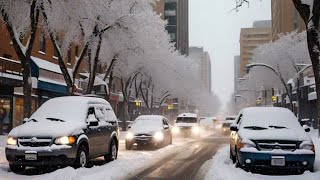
(146, 125)
(186, 120)
(269, 118)
(57, 111)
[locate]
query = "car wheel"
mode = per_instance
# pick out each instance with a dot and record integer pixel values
(311, 169)
(129, 146)
(82, 157)
(17, 169)
(232, 157)
(113, 152)
(237, 162)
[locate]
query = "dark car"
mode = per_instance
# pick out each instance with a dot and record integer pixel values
(149, 130)
(270, 138)
(64, 131)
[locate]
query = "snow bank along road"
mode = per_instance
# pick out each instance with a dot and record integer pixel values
(187, 155)
(186, 161)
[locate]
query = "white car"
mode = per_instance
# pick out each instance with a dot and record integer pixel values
(187, 124)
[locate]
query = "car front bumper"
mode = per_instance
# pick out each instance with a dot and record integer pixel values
(263, 160)
(46, 156)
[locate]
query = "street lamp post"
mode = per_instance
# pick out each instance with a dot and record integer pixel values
(249, 66)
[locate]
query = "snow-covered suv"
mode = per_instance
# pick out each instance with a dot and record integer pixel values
(64, 131)
(187, 124)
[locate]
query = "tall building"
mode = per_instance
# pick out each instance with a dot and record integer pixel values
(250, 39)
(198, 54)
(176, 12)
(236, 72)
(285, 18)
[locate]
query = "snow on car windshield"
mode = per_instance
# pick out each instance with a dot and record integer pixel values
(265, 118)
(186, 120)
(60, 111)
(143, 125)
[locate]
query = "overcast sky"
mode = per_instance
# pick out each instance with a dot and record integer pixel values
(217, 30)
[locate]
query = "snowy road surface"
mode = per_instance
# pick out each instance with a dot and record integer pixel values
(129, 163)
(186, 161)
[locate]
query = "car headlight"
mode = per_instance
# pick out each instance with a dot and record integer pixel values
(65, 140)
(12, 141)
(129, 136)
(175, 130)
(246, 144)
(196, 129)
(307, 145)
(158, 136)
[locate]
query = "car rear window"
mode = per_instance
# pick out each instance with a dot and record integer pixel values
(187, 120)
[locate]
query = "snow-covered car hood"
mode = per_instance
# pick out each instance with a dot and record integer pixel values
(186, 124)
(142, 130)
(275, 134)
(46, 129)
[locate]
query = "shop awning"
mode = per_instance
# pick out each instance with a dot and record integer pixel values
(49, 76)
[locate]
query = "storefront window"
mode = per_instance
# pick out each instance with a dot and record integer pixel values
(5, 115)
(18, 113)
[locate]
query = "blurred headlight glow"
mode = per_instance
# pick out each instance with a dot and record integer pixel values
(196, 129)
(158, 136)
(129, 136)
(12, 141)
(65, 140)
(175, 130)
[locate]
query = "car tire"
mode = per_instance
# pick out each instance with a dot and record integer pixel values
(129, 146)
(311, 169)
(232, 157)
(82, 157)
(237, 162)
(113, 152)
(17, 168)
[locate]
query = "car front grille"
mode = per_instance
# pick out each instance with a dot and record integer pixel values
(269, 145)
(34, 142)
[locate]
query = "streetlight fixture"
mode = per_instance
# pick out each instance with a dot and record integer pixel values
(242, 97)
(249, 66)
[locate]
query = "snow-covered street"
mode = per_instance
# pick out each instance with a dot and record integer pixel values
(128, 164)
(222, 168)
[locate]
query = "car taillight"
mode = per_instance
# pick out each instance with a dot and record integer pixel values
(313, 148)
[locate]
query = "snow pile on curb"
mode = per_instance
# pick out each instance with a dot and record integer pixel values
(222, 168)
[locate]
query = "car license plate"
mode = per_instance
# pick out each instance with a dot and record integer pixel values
(278, 161)
(31, 155)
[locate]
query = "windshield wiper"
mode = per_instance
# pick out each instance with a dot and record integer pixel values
(278, 127)
(255, 128)
(55, 119)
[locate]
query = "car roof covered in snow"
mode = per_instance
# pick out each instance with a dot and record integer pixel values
(150, 117)
(80, 100)
(191, 115)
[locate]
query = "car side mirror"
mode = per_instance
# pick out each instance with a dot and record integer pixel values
(166, 127)
(234, 127)
(25, 120)
(92, 121)
(306, 128)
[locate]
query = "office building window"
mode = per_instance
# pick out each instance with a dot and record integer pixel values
(42, 42)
